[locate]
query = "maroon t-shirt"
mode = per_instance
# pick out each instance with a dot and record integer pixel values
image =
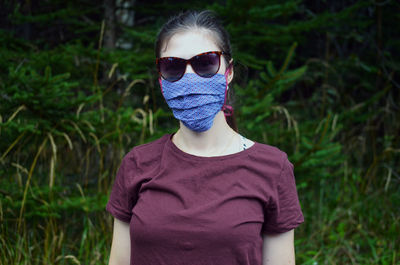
(186, 209)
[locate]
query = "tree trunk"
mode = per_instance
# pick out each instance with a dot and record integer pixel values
(109, 33)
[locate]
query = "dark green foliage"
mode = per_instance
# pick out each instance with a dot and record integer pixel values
(317, 79)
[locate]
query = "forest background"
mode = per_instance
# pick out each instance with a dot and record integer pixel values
(78, 90)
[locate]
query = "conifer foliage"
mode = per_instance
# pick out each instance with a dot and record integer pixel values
(79, 89)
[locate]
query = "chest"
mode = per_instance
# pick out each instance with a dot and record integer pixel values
(198, 209)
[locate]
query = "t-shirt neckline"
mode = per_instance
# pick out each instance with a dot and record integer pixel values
(185, 155)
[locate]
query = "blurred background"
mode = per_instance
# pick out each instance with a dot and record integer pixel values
(78, 90)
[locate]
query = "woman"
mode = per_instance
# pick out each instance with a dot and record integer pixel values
(205, 194)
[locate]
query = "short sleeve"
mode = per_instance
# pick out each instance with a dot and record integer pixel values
(120, 203)
(284, 212)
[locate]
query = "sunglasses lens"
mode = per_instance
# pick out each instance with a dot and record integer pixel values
(171, 69)
(206, 65)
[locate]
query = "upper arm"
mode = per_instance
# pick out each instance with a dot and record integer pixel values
(278, 249)
(121, 245)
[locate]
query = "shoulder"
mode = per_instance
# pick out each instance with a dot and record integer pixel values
(270, 151)
(146, 153)
(270, 156)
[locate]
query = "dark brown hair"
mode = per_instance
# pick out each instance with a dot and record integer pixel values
(207, 20)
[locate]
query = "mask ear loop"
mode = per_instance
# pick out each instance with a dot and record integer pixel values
(160, 81)
(227, 109)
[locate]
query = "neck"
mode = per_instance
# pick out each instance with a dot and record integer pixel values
(219, 138)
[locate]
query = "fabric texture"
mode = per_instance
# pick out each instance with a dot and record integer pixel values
(186, 209)
(195, 100)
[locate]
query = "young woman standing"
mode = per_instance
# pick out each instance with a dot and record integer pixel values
(205, 194)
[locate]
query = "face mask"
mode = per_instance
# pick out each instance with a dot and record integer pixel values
(195, 100)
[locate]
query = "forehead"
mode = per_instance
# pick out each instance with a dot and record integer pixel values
(186, 44)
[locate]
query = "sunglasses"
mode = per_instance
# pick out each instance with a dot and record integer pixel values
(204, 64)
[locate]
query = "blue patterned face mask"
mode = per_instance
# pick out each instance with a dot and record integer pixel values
(195, 100)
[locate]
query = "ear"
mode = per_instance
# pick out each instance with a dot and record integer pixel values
(230, 71)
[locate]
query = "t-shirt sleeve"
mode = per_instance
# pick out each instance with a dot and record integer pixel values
(284, 212)
(120, 203)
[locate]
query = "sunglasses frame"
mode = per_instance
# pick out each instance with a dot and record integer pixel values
(189, 61)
